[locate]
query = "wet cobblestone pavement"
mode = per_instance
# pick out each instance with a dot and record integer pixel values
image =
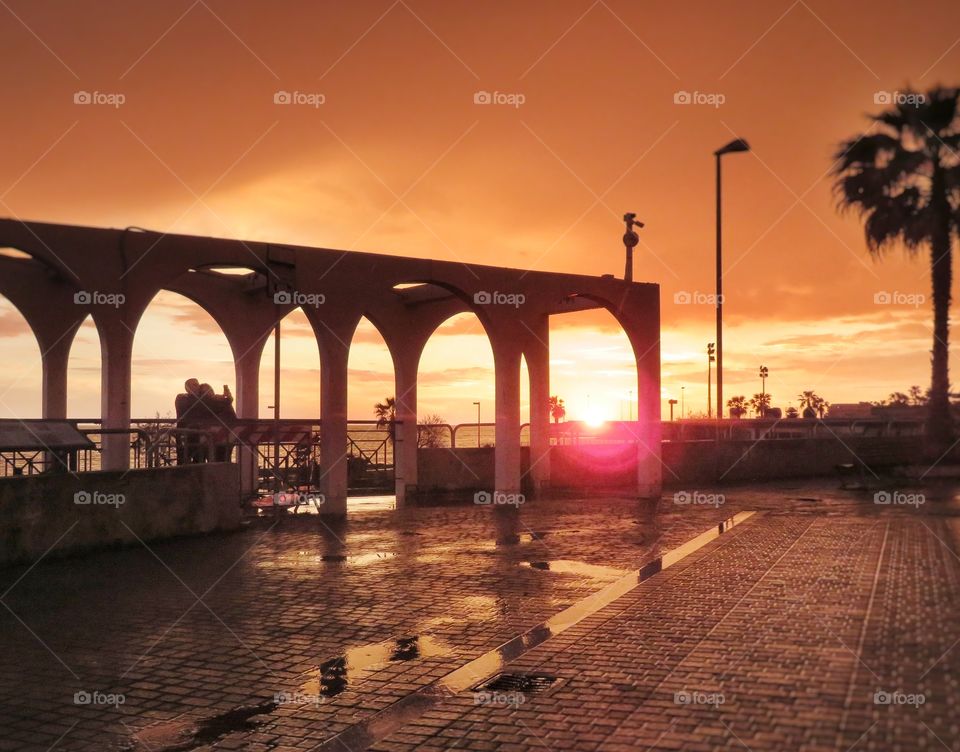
(824, 621)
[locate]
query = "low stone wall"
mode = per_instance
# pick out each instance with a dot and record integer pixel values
(736, 461)
(442, 471)
(593, 466)
(93, 510)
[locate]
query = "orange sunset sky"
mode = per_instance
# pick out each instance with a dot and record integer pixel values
(399, 158)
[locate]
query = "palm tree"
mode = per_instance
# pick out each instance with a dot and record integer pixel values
(557, 409)
(904, 180)
(386, 413)
(760, 404)
(897, 399)
(813, 404)
(738, 406)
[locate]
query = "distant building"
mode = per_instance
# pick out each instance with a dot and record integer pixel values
(851, 410)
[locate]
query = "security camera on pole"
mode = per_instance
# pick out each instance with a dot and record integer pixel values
(630, 241)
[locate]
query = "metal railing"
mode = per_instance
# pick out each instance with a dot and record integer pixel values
(158, 442)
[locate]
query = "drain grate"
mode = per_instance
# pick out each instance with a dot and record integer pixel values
(528, 684)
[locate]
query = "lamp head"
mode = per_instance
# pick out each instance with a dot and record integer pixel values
(734, 146)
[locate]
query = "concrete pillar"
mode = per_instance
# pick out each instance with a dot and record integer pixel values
(405, 364)
(641, 321)
(537, 355)
(56, 358)
(116, 346)
(506, 357)
(246, 363)
(333, 427)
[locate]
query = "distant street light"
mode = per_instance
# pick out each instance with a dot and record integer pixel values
(738, 145)
(478, 424)
(764, 372)
(683, 389)
(711, 359)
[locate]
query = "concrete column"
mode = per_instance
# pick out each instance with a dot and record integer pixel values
(537, 355)
(333, 428)
(247, 367)
(405, 364)
(641, 322)
(506, 357)
(116, 345)
(55, 361)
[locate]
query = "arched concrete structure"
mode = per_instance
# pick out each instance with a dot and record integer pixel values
(114, 274)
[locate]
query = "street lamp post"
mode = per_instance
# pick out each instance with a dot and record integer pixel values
(478, 424)
(738, 145)
(764, 372)
(710, 359)
(683, 390)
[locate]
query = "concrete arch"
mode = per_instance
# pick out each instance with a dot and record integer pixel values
(74, 364)
(17, 389)
(192, 351)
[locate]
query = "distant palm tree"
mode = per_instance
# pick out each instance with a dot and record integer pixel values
(904, 181)
(386, 413)
(917, 396)
(557, 409)
(760, 404)
(738, 406)
(897, 399)
(813, 404)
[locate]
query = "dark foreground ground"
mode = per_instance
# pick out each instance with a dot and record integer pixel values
(823, 621)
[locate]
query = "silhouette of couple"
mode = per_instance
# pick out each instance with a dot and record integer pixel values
(199, 408)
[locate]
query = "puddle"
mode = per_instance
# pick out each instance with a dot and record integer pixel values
(182, 735)
(359, 560)
(334, 676)
(567, 566)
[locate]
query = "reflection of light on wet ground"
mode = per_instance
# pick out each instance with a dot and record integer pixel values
(364, 734)
(311, 558)
(360, 560)
(334, 676)
(567, 566)
(371, 503)
(305, 504)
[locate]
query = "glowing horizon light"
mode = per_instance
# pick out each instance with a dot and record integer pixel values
(594, 417)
